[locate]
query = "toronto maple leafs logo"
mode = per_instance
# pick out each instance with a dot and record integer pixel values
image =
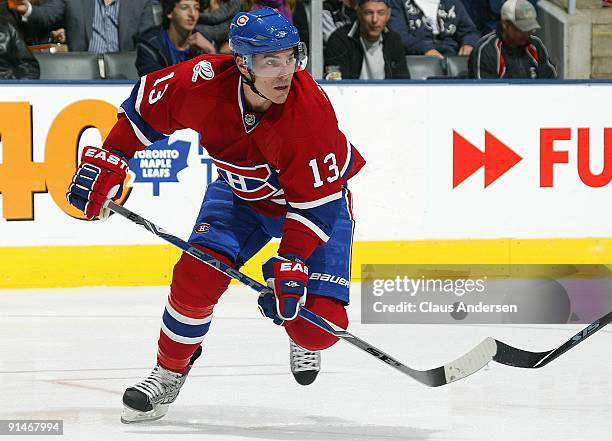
(159, 163)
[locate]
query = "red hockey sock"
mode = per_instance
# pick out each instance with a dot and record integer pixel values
(308, 335)
(195, 290)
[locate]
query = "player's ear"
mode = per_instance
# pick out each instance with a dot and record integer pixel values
(241, 64)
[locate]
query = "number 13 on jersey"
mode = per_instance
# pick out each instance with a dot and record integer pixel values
(332, 170)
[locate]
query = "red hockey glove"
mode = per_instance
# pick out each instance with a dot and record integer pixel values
(288, 278)
(99, 177)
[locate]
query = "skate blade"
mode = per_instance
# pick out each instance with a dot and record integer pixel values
(130, 415)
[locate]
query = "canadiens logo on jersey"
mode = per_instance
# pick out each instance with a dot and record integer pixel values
(252, 183)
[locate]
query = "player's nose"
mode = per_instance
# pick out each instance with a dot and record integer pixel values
(286, 70)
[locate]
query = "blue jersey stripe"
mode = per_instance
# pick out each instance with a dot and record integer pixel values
(129, 107)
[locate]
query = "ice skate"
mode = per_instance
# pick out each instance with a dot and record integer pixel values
(305, 365)
(148, 400)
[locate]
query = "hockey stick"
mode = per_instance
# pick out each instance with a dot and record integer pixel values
(489, 349)
(512, 356)
(466, 365)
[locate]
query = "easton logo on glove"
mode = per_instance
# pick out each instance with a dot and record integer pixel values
(288, 280)
(294, 266)
(99, 177)
(104, 155)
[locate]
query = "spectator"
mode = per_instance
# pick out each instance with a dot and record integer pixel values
(35, 36)
(16, 61)
(437, 28)
(486, 14)
(175, 41)
(99, 26)
(366, 49)
(512, 51)
(469, 8)
(9, 14)
(285, 7)
(32, 36)
(215, 19)
(337, 13)
(301, 20)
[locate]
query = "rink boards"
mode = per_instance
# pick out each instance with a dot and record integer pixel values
(463, 173)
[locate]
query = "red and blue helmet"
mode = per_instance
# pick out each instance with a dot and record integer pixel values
(262, 31)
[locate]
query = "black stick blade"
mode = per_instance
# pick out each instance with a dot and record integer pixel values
(511, 356)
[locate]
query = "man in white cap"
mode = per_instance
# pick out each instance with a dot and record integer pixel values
(512, 51)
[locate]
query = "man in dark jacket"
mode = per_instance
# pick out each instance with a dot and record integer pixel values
(175, 41)
(16, 61)
(366, 49)
(437, 28)
(337, 13)
(92, 25)
(512, 51)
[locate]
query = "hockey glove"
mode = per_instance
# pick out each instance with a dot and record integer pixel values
(99, 177)
(288, 279)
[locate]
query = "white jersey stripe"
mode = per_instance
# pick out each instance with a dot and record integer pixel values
(184, 319)
(179, 338)
(311, 225)
(143, 80)
(349, 205)
(143, 139)
(316, 203)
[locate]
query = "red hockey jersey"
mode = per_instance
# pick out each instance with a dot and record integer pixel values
(291, 160)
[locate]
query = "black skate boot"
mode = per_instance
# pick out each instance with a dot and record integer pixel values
(149, 399)
(305, 365)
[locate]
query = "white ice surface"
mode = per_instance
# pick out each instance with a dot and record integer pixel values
(69, 354)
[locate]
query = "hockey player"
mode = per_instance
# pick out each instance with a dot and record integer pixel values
(283, 166)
